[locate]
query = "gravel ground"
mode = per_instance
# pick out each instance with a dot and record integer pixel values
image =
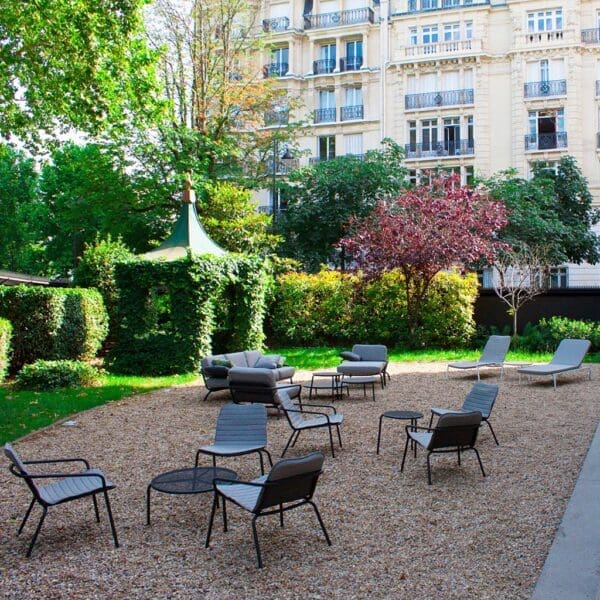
(393, 535)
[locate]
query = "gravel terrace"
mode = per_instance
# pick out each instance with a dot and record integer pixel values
(393, 535)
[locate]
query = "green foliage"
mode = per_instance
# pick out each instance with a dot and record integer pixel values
(547, 333)
(5, 347)
(327, 194)
(53, 323)
(230, 217)
(167, 311)
(53, 374)
(331, 307)
(77, 63)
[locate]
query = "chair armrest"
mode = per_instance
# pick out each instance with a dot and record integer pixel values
(236, 481)
(56, 460)
(290, 385)
(309, 412)
(317, 405)
(215, 371)
(62, 475)
(417, 427)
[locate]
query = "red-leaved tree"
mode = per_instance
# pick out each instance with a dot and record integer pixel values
(424, 231)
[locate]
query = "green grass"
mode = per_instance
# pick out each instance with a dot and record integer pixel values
(23, 411)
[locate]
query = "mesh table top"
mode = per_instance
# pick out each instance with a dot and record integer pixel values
(194, 480)
(402, 414)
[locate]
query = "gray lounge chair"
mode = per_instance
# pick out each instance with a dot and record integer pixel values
(568, 357)
(493, 355)
(290, 484)
(295, 416)
(481, 398)
(258, 385)
(241, 429)
(364, 360)
(454, 432)
(69, 486)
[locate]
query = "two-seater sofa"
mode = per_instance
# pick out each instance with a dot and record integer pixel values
(215, 368)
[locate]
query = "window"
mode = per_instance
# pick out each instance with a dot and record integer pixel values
(545, 20)
(486, 278)
(412, 135)
(429, 134)
(452, 135)
(469, 30)
(353, 144)
(326, 147)
(326, 99)
(354, 55)
(412, 177)
(544, 70)
(413, 36)
(546, 129)
(559, 277)
(354, 96)
(452, 32)
(280, 60)
(470, 133)
(429, 4)
(328, 52)
(430, 34)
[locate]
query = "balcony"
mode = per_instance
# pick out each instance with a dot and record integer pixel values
(541, 89)
(351, 113)
(354, 63)
(315, 160)
(427, 5)
(339, 18)
(324, 65)
(324, 115)
(590, 36)
(546, 141)
(276, 24)
(275, 69)
(442, 48)
(544, 37)
(284, 166)
(440, 149)
(433, 99)
(276, 117)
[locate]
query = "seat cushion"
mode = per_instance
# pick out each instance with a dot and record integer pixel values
(240, 493)
(320, 421)
(362, 367)
(423, 438)
(73, 487)
(230, 449)
(284, 373)
(547, 369)
(238, 359)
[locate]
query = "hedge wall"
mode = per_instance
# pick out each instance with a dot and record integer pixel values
(171, 313)
(53, 323)
(334, 308)
(5, 347)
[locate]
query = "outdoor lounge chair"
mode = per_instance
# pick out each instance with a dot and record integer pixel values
(69, 486)
(493, 355)
(366, 359)
(241, 429)
(295, 416)
(290, 484)
(568, 357)
(258, 385)
(454, 432)
(481, 398)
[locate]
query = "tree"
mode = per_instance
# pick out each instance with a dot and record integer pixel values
(230, 217)
(73, 64)
(322, 198)
(432, 227)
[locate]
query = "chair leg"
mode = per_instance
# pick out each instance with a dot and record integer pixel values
(339, 435)
(331, 442)
(37, 531)
(268, 455)
(428, 469)
(197, 458)
(458, 452)
(224, 515)
(148, 505)
(479, 459)
(256, 544)
(96, 508)
(210, 521)
(288, 444)
(26, 516)
(379, 433)
(110, 518)
(296, 438)
(404, 455)
(320, 521)
(492, 430)
(281, 515)
(262, 463)
(430, 420)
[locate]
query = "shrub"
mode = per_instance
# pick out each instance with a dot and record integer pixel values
(52, 374)
(5, 347)
(547, 333)
(53, 323)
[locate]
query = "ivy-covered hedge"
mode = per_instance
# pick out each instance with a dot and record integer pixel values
(171, 314)
(53, 323)
(5, 347)
(53, 374)
(545, 335)
(334, 308)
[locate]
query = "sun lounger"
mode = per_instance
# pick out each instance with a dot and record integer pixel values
(493, 355)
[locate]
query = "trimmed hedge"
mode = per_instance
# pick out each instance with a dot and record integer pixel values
(170, 313)
(547, 333)
(5, 347)
(335, 308)
(53, 323)
(53, 374)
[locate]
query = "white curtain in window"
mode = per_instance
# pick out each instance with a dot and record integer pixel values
(450, 80)
(533, 71)
(350, 4)
(354, 96)
(468, 79)
(557, 68)
(411, 83)
(327, 6)
(353, 143)
(279, 10)
(326, 99)
(428, 82)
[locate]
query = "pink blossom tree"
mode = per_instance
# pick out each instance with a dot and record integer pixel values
(427, 229)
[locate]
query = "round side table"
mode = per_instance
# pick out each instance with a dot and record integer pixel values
(402, 415)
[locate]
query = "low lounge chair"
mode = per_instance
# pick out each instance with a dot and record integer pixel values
(568, 357)
(365, 360)
(493, 355)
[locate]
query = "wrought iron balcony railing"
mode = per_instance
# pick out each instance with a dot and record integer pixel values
(276, 117)
(284, 166)
(556, 87)
(354, 63)
(426, 5)
(429, 99)
(351, 113)
(276, 24)
(313, 160)
(436, 149)
(325, 115)
(546, 141)
(278, 69)
(342, 17)
(323, 65)
(590, 36)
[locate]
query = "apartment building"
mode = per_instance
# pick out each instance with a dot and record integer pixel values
(464, 85)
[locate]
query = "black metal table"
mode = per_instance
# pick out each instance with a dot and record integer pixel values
(192, 480)
(335, 385)
(403, 415)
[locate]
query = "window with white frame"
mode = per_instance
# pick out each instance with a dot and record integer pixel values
(413, 36)
(468, 30)
(429, 134)
(430, 34)
(326, 147)
(559, 277)
(354, 96)
(326, 99)
(546, 70)
(451, 32)
(545, 20)
(353, 144)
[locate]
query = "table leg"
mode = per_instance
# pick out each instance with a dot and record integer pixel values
(379, 433)
(413, 424)
(148, 505)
